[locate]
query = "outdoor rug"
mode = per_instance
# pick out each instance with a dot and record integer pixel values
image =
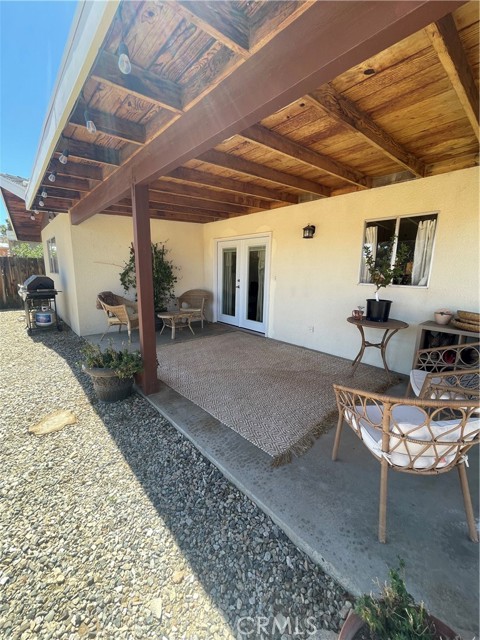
(276, 395)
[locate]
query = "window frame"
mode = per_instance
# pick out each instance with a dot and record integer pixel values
(52, 253)
(398, 219)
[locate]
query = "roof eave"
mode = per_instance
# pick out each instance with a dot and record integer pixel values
(91, 23)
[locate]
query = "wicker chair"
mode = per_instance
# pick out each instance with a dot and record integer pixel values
(450, 372)
(194, 300)
(425, 437)
(119, 311)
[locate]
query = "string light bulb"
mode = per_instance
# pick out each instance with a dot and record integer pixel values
(91, 128)
(41, 203)
(36, 212)
(44, 194)
(63, 157)
(32, 217)
(124, 63)
(52, 176)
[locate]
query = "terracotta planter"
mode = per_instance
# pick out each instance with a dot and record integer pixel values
(109, 387)
(354, 623)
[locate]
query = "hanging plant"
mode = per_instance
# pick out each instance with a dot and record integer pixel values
(163, 274)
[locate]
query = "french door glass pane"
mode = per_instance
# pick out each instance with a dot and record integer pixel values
(256, 278)
(229, 269)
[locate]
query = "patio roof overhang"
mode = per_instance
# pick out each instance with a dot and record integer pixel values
(237, 107)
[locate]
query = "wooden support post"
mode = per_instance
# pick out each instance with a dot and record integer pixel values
(143, 268)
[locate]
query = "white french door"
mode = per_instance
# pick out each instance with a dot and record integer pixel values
(242, 288)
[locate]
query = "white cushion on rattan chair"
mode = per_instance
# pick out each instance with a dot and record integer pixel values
(407, 421)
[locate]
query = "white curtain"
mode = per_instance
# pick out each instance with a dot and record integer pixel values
(423, 252)
(228, 293)
(371, 234)
(261, 280)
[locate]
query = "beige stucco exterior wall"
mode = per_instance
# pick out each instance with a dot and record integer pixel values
(65, 280)
(91, 256)
(314, 283)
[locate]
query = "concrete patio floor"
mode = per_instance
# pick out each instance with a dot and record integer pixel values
(330, 509)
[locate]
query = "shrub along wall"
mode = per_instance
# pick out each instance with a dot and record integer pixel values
(14, 271)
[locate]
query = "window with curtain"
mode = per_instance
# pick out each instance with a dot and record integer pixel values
(414, 234)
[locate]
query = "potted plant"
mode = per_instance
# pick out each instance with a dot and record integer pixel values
(111, 371)
(382, 273)
(163, 273)
(394, 614)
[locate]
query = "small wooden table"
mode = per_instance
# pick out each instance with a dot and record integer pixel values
(174, 319)
(390, 329)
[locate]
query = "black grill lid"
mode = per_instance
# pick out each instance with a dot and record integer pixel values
(36, 283)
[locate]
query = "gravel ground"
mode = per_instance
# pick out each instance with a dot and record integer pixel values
(116, 527)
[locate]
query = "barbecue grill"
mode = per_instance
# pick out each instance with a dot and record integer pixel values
(38, 294)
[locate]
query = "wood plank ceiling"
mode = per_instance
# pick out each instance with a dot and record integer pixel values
(408, 112)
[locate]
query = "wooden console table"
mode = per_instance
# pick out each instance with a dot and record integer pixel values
(390, 328)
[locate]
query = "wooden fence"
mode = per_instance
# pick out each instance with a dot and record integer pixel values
(14, 271)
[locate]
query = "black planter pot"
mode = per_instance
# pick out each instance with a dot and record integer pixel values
(378, 311)
(107, 386)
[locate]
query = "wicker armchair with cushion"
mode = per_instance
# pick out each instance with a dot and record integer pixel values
(119, 311)
(425, 437)
(453, 369)
(195, 300)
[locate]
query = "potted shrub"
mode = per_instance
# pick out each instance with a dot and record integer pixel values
(163, 273)
(111, 371)
(394, 614)
(382, 273)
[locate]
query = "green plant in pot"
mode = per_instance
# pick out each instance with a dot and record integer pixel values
(382, 273)
(112, 371)
(163, 274)
(393, 615)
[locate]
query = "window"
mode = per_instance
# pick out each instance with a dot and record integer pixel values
(52, 255)
(415, 237)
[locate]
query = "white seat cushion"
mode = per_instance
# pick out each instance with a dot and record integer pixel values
(406, 421)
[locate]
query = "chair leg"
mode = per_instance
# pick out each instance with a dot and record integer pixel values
(382, 516)
(338, 434)
(467, 501)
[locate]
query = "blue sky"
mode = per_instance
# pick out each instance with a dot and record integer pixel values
(33, 35)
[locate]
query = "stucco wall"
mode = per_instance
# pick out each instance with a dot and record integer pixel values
(91, 256)
(65, 280)
(314, 283)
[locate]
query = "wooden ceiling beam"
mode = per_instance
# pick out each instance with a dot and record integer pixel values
(172, 208)
(229, 184)
(87, 151)
(235, 163)
(223, 21)
(208, 195)
(79, 170)
(346, 113)
(110, 124)
(350, 32)
(272, 140)
(61, 194)
(67, 183)
(53, 203)
(198, 203)
(449, 49)
(139, 82)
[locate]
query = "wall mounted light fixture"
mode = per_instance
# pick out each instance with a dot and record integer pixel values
(309, 231)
